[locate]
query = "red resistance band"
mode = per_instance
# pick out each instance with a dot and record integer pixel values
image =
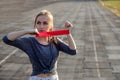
(53, 33)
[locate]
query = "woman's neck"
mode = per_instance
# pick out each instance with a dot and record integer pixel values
(43, 40)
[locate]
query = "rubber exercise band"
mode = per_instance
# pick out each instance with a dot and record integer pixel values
(53, 33)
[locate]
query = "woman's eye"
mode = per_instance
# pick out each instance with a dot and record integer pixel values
(45, 23)
(38, 22)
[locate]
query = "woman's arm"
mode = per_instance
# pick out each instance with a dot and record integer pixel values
(71, 41)
(14, 35)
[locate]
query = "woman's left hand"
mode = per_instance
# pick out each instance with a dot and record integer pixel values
(68, 25)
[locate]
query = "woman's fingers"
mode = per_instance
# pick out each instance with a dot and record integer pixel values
(33, 31)
(68, 25)
(36, 31)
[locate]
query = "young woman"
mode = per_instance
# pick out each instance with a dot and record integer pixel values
(43, 51)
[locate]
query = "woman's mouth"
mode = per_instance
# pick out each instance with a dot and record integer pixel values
(42, 31)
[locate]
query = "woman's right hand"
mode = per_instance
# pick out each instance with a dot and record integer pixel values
(33, 31)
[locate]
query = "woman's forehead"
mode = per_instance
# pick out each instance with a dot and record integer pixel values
(42, 17)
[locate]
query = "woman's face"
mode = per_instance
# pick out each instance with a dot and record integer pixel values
(43, 24)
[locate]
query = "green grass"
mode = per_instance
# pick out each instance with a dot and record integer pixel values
(114, 4)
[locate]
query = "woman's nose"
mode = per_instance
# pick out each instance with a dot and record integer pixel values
(41, 25)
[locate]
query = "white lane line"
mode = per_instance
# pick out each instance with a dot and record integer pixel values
(94, 45)
(4, 60)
